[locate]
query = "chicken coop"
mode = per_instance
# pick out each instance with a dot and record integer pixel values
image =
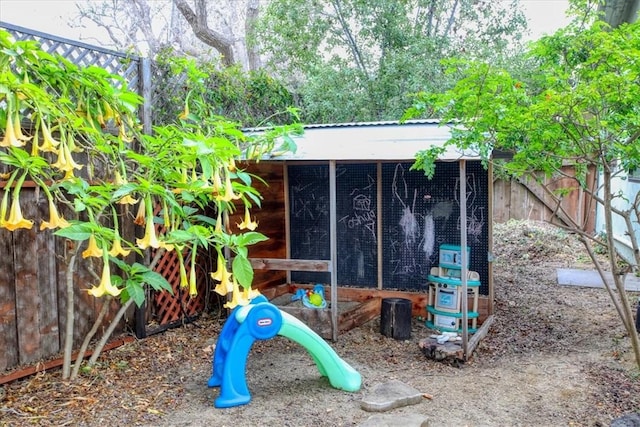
(346, 211)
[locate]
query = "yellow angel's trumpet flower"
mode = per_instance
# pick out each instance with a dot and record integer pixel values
(5, 198)
(217, 182)
(122, 134)
(218, 227)
(3, 207)
(141, 214)
(228, 192)
(49, 143)
(225, 286)
(231, 165)
(17, 129)
(236, 297)
(184, 282)
(105, 286)
(117, 249)
(193, 288)
(65, 161)
(250, 293)
(92, 249)
(247, 223)
(218, 274)
(15, 220)
(107, 111)
(118, 180)
(184, 115)
(149, 239)
(10, 139)
(55, 219)
(128, 200)
(71, 164)
(61, 162)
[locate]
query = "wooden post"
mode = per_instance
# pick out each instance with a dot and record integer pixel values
(464, 257)
(334, 249)
(395, 318)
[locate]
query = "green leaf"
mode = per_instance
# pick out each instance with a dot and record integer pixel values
(157, 281)
(242, 271)
(135, 290)
(250, 238)
(78, 232)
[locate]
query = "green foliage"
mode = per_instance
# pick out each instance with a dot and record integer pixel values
(354, 60)
(580, 105)
(251, 99)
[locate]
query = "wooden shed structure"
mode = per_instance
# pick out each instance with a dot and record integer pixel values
(346, 211)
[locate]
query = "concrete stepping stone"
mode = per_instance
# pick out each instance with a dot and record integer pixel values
(391, 420)
(390, 395)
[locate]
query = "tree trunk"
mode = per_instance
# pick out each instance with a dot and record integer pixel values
(68, 337)
(617, 12)
(253, 58)
(198, 22)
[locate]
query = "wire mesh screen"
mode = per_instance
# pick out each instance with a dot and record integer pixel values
(309, 216)
(419, 215)
(356, 211)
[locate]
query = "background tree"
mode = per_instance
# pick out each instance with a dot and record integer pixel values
(190, 28)
(577, 106)
(353, 60)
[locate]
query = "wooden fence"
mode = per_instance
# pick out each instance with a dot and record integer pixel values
(526, 200)
(34, 265)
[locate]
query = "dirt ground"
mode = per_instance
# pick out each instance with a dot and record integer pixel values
(554, 356)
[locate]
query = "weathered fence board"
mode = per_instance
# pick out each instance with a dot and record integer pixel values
(8, 329)
(26, 282)
(525, 200)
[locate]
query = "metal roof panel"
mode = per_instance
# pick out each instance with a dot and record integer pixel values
(373, 141)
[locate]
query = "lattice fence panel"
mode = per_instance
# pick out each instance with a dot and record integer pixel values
(125, 66)
(171, 308)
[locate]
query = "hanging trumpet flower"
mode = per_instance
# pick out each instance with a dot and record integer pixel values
(17, 129)
(228, 193)
(49, 144)
(128, 200)
(223, 276)
(247, 223)
(105, 286)
(5, 197)
(92, 249)
(116, 248)
(55, 219)
(193, 289)
(65, 161)
(15, 220)
(141, 214)
(10, 138)
(183, 271)
(239, 297)
(149, 239)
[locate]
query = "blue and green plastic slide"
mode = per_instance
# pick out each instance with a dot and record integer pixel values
(262, 320)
